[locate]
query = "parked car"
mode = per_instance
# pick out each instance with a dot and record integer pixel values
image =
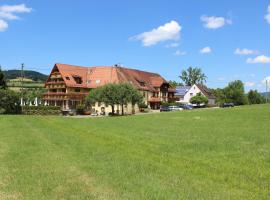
(187, 107)
(164, 109)
(227, 105)
(175, 108)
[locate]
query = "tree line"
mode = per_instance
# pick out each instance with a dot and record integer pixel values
(235, 93)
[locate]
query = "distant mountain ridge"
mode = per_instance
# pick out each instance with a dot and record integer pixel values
(34, 75)
(265, 94)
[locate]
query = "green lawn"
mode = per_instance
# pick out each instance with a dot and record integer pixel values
(200, 154)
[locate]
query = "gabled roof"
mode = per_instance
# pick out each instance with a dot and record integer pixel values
(93, 77)
(206, 91)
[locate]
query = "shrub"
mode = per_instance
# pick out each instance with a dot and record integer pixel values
(199, 99)
(80, 109)
(9, 102)
(41, 110)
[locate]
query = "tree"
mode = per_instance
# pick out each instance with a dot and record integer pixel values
(107, 94)
(193, 76)
(174, 84)
(136, 98)
(199, 99)
(3, 84)
(220, 95)
(115, 94)
(124, 94)
(9, 102)
(235, 93)
(255, 98)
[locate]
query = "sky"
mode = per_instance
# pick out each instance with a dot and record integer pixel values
(227, 39)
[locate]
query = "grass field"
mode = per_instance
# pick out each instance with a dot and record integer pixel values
(200, 154)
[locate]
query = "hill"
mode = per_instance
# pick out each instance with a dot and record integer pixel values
(265, 94)
(28, 74)
(198, 154)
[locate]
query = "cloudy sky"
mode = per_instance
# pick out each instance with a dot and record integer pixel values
(228, 39)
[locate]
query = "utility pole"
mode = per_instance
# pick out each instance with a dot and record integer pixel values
(22, 76)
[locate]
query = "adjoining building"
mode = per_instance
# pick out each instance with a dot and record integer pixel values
(68, 85)
(185, 93)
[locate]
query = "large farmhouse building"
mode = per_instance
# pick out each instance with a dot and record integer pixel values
(68, 85)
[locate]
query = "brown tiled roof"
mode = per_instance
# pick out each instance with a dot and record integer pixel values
(207, 92)
(93, 77)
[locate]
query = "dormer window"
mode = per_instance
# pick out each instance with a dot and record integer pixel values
(67, 78)
(77, 79)
(142, 84)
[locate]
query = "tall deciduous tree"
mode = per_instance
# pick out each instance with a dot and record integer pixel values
(235, 93)
(3, 84)
(193, 76)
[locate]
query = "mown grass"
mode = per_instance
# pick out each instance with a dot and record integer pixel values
(200, 154)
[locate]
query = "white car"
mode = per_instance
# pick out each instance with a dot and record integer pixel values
(175, 108)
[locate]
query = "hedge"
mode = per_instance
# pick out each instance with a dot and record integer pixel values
(41, 110)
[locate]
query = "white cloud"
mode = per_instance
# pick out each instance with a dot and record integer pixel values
(8, 16)
(168, 31)
(267, 16)
(259, 59)
(3, 25)
(9, 12)
(250, 84)
(21, 8)
(266, 79)
(205, 50)
(245, 51)
(172, 45)
(180, 53)
(213, 22)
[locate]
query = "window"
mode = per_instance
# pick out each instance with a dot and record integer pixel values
(77, 89)
(77, 79)
(142, 84)
(191, 94)
(144, 94)
(67, 78)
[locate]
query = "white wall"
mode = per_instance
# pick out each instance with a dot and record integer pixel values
(193, 91)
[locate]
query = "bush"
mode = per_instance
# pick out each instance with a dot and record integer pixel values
(199, 99)
(9, 102)
(80, 109)
(254, 97)
(41, 110)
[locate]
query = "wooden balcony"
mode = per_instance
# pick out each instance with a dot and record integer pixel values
(64, 96)
(173, 99)
(56, 86)
(155, 99)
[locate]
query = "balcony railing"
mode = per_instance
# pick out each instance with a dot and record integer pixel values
(64, 96)
(154, 99)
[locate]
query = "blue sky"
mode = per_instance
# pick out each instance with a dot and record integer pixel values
(228, 39)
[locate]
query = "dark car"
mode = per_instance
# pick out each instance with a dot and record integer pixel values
(165, 109)
(227, 105)
(187, 107)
